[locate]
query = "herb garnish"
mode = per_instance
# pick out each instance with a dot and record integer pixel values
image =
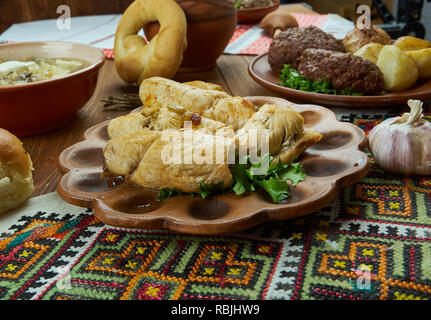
(290, 78)
(247, 177)
(238, 5)
(127, 102)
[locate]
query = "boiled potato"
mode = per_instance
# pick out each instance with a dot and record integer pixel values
(399, 70)
(409, 43)
(370, 52)
(422, 58)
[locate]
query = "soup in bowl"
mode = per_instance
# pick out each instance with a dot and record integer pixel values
(44, 84)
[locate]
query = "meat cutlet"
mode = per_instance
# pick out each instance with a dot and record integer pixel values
(287, 46)
(342, 70)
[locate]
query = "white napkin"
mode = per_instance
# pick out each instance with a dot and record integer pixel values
(96, 30)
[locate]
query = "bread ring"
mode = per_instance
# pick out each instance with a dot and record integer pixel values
(136, 60)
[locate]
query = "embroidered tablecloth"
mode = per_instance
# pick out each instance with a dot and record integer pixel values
(373, 242)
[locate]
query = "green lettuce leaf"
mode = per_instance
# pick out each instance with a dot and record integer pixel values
(273, 178)
(294, 173)
(276, 188)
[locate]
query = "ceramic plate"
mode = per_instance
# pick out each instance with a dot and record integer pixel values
(335, 162)
(260, 70)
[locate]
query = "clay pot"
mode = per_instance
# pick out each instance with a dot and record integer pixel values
(256, 14)
(210, 26)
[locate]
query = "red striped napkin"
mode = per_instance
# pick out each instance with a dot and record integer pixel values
(250, 39)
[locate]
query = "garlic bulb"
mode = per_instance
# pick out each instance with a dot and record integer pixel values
(403, 144)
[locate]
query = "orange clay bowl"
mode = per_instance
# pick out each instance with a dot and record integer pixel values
(39, 107)
(335, 162)
(256, 14)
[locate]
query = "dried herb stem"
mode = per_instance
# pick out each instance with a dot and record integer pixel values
(128, 101)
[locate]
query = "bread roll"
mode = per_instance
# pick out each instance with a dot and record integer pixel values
(16, 182)
(357, 38)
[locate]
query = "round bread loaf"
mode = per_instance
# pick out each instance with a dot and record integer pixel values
(357, 38)
(16, 182)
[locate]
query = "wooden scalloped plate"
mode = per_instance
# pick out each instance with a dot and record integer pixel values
(335, 162)
(260, 70)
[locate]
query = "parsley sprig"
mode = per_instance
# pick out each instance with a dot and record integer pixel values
(237, 5)
(290, 78)
(272, 178)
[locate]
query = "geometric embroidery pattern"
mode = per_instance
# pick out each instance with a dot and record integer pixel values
(379, 197)
(136, 265)
(372, 242)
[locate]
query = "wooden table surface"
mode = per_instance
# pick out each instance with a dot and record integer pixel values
(231, 73)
